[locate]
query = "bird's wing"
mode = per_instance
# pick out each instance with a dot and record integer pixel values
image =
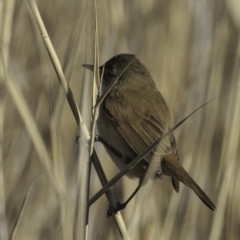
(142, 124)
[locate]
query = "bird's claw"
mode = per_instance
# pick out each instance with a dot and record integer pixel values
(160, 173)
(113, 210)
(97, 138)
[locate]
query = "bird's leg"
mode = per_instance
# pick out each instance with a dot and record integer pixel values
(120, 206)
(108, 146)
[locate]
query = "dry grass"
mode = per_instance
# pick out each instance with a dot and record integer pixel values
(192, 51)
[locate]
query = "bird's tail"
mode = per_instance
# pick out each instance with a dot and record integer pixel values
(172, 168)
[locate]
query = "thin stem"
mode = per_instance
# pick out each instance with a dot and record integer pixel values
(80, 233)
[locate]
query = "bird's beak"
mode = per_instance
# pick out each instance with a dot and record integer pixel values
(89, 67)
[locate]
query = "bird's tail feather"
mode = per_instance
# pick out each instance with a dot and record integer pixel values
(172, 167)
(202, 195)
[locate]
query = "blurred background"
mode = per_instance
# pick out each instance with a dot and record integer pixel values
(191, 49)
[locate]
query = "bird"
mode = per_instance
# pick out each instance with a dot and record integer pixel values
(132, 116)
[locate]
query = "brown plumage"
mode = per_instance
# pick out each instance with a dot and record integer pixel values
(133, 116)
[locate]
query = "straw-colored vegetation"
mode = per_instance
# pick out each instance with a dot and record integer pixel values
(192, 51)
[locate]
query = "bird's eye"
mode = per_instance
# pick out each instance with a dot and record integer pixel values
(112, 72)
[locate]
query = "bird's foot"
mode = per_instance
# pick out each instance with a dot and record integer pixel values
(97, 138)
(160, 173)
(113, 210)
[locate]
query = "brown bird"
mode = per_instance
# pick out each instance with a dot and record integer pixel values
(132, 117)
